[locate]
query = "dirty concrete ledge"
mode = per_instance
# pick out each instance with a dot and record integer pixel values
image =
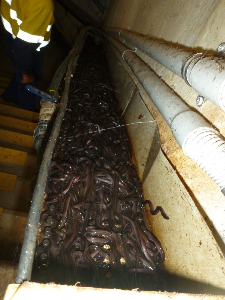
(29, 290)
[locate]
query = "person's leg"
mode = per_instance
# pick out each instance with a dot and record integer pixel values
(11, 91)
(9, 41)
(27, 100)
(38, 66)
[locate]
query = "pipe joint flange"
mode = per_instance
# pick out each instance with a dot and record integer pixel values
(207, 149)
(187, 62)
(39, 132)
(200, 100)
(47, 111)
(186, 122)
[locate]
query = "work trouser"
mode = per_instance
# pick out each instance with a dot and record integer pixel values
(16, 91)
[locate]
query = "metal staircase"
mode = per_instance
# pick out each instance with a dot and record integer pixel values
(17, 169)
(18, 160)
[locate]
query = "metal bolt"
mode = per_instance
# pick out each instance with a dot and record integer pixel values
(200, 100)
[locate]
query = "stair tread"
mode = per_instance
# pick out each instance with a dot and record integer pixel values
(18, 199)
(6, 75)
(12, 228)
(19, 113)
(18, 124)
(9, 104)
(3, 84)
(7, 181)
(12, 156)
(17, 156)
(20, 139)
(16, 130)
(29, 150)
(17, 162)
(26, 171)
(4, 79)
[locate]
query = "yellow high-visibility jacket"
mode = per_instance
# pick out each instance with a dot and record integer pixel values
(28, 20)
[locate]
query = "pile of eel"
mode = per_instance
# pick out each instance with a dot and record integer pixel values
(92, 227)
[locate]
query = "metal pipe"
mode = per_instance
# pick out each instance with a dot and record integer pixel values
(29, 243)
(188, 127)
(206, 74)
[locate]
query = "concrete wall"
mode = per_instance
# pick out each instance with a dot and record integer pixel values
(91, 9)
(66, 24)
(197, 211)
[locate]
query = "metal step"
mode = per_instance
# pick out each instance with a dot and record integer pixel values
(16, 138)
(22, 114)
(12, 156)
(6, 75)
(18, 199)
(17, 162)
(4, 79)
(13, 123)
(7, 181)
(3, 84)
(17, 170)
(17, 156)
(12, 227)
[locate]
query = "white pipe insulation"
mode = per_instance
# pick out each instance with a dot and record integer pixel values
(196, 137)
(206, 74)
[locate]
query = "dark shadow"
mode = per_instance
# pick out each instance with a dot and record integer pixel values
(10, 251)
(201, 211)
(60, 40)
(78, 13)
(181, 284)
(153, 152)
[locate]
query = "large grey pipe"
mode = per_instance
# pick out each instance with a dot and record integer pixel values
(195, 135)
(206, 74)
